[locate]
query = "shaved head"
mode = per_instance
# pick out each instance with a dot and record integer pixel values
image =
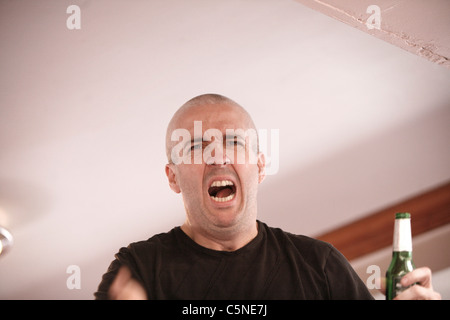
(208, 102)
(212, 139)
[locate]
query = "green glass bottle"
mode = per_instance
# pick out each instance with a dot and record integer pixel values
(401, 262)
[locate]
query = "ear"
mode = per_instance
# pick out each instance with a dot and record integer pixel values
(261, 167)
(171, 176)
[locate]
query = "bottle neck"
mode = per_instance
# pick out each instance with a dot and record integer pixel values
(402, 235)
(402, 255)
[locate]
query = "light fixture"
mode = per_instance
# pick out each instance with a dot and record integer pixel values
(6, 240)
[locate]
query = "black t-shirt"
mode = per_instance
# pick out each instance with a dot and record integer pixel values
(274, 265)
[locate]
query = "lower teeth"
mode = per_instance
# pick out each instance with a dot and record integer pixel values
(231, 196)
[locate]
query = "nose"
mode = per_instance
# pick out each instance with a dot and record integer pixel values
(218, 157)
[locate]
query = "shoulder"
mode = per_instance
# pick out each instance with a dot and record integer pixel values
(313, 252)
(304, 245)
(139, 257)
(322, 258)
(155, 243)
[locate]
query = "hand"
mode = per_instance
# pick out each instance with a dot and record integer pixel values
(423, 290)
(124, 287)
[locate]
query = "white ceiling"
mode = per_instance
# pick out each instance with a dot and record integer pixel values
(418, 26)
(362, 123)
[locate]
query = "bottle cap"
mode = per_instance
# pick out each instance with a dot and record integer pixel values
(402, 215)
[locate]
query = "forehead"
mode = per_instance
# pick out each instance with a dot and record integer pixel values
(217, 116)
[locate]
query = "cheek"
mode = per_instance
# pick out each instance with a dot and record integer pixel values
(248, 175)
(190, 179)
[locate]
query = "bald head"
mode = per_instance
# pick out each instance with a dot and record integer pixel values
(204, 107)
(211, 99)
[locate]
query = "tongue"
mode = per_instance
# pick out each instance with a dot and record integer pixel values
(225, 192)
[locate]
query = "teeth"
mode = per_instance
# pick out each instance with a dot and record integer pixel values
(222, 183)
(231, 196)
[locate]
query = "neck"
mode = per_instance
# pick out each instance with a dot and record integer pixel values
(223, 240)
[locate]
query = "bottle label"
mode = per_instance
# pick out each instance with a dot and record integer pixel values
(402, 235)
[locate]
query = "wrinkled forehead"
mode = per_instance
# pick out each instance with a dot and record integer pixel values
(217, 116)
(201, 122)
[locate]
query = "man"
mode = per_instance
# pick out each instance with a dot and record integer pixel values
(222, 251)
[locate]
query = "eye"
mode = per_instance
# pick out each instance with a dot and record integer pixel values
(195, 146)
(236, 143)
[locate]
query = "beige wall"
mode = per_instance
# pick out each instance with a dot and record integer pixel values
(362, 123)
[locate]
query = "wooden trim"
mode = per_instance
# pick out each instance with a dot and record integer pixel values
(375, 231)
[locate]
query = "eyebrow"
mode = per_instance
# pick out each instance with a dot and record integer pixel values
(193, 140)
(200, 139)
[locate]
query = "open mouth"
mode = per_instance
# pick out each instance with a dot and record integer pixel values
(222, 191)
